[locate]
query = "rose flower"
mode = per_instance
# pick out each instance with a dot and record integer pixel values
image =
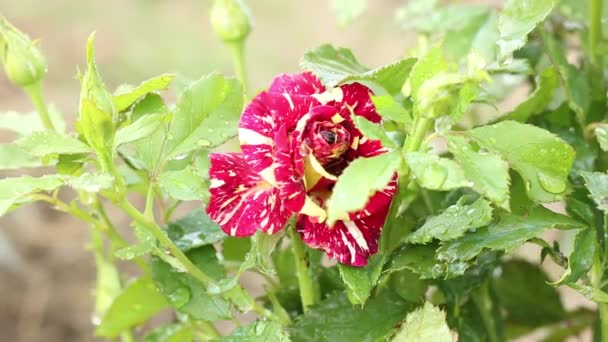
(296, 139)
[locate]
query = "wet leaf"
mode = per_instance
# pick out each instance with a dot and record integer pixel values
(425, 324)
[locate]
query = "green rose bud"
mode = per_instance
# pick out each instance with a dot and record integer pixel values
(97, 111)
(231, 20)
(23, 62)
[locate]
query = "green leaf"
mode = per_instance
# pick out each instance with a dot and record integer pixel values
(176, 332)
(574, 81)
(27, 123)
(262, 246)
(425, 324)
(597, 183)
(523, 291)
(488, 173)
(187, 294)
(124, 98)
(135, 305)
(146, 243)
(335, 66)
(347, 10)
(185, 185)
(538, 101)
(359, 181)
(361, 280)
(601, 133)
(388, 108)
(477, 35)
(12, 190)
(194, 230)
(259, 331)
(418, 259)
(13, 157)
(331, 64)
(580, 259)
(509, 232)
(435, 173)
(373, 131)
(517, 19)
(90, 182)
(454, 222)
(42, 144)
(207, 114)
(542, 159)
(141, 128)
(327, 320)
(425, 68)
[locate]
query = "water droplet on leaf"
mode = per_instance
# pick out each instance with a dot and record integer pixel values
(551, 184)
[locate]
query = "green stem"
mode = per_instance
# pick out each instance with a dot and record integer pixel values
(35, 93)
(595, 30)
(421, 126)
(482, 300)
(597, 275)
(210, 329)
(188, 266)
(307, 288)
(164, 240)
(237, 49)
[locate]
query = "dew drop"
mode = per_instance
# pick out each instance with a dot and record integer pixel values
(551, 184)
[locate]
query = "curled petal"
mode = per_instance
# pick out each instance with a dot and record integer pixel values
(290, 181)
(357, 97)
(303, 84)
(349, 242)
(241, 200)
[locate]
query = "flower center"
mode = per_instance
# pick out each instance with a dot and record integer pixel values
(328, 141)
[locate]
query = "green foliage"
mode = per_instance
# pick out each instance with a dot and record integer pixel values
(454, 222)
(425, 324)
(517, 20)
(522, 289)
(436, 173)
(542, 159)
(487, 172)
(361, 179)
(376, 320)
(509, 232)
(471, 178)
(335, 66)
(258, 332)
(138, 302)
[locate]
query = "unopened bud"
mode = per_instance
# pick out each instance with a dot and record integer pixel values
(231, 20)
(23, 62)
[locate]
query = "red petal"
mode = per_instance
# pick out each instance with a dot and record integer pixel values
(259, 124)
(241, 201)
(349, 242)
(378, 202)
(357, 96)
(303, 84)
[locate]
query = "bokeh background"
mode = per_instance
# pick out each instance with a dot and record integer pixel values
(46, 272)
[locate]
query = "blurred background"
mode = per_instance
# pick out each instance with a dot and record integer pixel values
(46, 272)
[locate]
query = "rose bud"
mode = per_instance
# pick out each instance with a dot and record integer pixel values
(23, 62)
(231, 20)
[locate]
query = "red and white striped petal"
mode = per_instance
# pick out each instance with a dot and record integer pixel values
(357, 97)
(290, 180)
(349, 242)
(378, 202)
(242, 202)
(259, 123)
(303, 84)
